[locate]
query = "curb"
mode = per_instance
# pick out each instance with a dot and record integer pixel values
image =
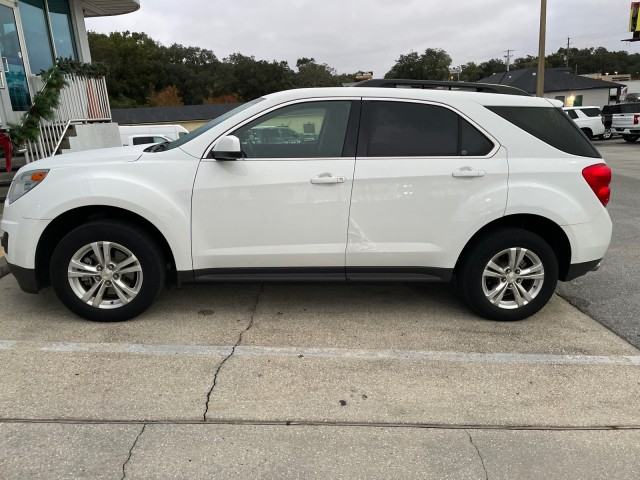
(4, 267)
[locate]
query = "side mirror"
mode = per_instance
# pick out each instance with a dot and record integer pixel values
(227, 148)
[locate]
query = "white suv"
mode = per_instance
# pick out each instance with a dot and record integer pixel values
(500, 191)
(589, 120)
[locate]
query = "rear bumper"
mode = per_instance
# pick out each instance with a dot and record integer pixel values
(579, 269)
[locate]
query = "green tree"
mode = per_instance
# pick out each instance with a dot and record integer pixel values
(134, 61)
(471, 72)
(312, 74)
(248, 78)
(433, 64)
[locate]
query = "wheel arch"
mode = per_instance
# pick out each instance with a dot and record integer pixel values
(550, 231)
(71, 219)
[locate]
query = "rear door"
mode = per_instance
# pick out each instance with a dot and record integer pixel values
(425, 180)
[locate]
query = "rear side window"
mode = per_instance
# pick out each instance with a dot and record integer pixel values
(591, 112)
(572, 114)
(404, 129)
(551, 126)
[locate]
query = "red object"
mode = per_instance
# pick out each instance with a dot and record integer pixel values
(636, 119)
(5, 143)
(599, 177)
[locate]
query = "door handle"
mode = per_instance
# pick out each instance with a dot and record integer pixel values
(468, 172)
(326, 178)
(5, 64)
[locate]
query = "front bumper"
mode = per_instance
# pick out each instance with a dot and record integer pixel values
(27, 278)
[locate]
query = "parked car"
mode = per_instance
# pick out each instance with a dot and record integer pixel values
(140, 134)
(625, 120)
(632, 97)
(500, 191)
(589, 120)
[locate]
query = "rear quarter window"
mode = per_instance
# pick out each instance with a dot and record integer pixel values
(591, 112)
(551, 126)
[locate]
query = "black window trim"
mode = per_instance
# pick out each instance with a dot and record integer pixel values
(363, 134)
(350, 140)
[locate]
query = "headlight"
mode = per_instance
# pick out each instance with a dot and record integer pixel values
(24, 182)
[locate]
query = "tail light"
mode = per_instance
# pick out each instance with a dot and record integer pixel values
(636, 119)
(599, 177)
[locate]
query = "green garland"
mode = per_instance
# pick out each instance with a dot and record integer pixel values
(47, 99)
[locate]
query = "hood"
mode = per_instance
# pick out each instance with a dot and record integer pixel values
(98, 156)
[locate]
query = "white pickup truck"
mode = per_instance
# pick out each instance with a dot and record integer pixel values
(625, 120)
(143, 134)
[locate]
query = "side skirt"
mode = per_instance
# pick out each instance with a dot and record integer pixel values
(317, 274)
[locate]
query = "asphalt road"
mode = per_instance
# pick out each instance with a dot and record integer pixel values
(611, 295)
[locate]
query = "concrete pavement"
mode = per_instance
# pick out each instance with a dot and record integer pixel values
(313, 381)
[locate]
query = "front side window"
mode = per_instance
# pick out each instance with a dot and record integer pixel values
(47, 32)
(284, 133)
(404, 129)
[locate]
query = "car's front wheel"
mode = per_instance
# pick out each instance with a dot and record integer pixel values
(107, 270)
(509, 274)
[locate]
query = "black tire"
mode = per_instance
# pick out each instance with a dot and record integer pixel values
(588, 133)
(473, 283)
(126, 241)
(630, 138)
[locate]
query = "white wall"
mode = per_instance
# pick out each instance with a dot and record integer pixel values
(597, 97)
(80, 31)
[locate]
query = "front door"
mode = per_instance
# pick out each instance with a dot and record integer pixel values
(283, 210)
(14, 89)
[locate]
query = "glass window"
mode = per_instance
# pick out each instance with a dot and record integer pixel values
(284, 132)
(472, 142)
(41, 22)
(401, 129)
(591, 112)
(36, 34)
(61, 29)
(551, 126)
(572, 114)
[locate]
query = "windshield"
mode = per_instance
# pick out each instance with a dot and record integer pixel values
(208, 126)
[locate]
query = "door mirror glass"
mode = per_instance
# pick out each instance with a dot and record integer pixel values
(227, 148)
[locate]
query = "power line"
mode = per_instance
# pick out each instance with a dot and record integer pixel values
(508, 57)
(566, 54)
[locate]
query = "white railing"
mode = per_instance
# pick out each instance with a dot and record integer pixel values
(82, 100)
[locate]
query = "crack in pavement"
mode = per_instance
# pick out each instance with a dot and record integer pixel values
(135, 442)
(486, 474)
(215, 377)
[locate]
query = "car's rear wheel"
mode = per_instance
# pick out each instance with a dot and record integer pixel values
(588, 133)
(107, 270)
(630, 138)
(509, 274)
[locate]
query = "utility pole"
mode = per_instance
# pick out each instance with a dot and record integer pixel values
(566, 55)
(541, 58)
(508, 57)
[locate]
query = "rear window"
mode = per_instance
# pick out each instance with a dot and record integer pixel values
(629, 108)
(551, 126)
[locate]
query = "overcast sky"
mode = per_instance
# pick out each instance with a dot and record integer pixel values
(352, 35)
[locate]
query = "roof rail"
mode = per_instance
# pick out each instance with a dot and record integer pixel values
(436, 85)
